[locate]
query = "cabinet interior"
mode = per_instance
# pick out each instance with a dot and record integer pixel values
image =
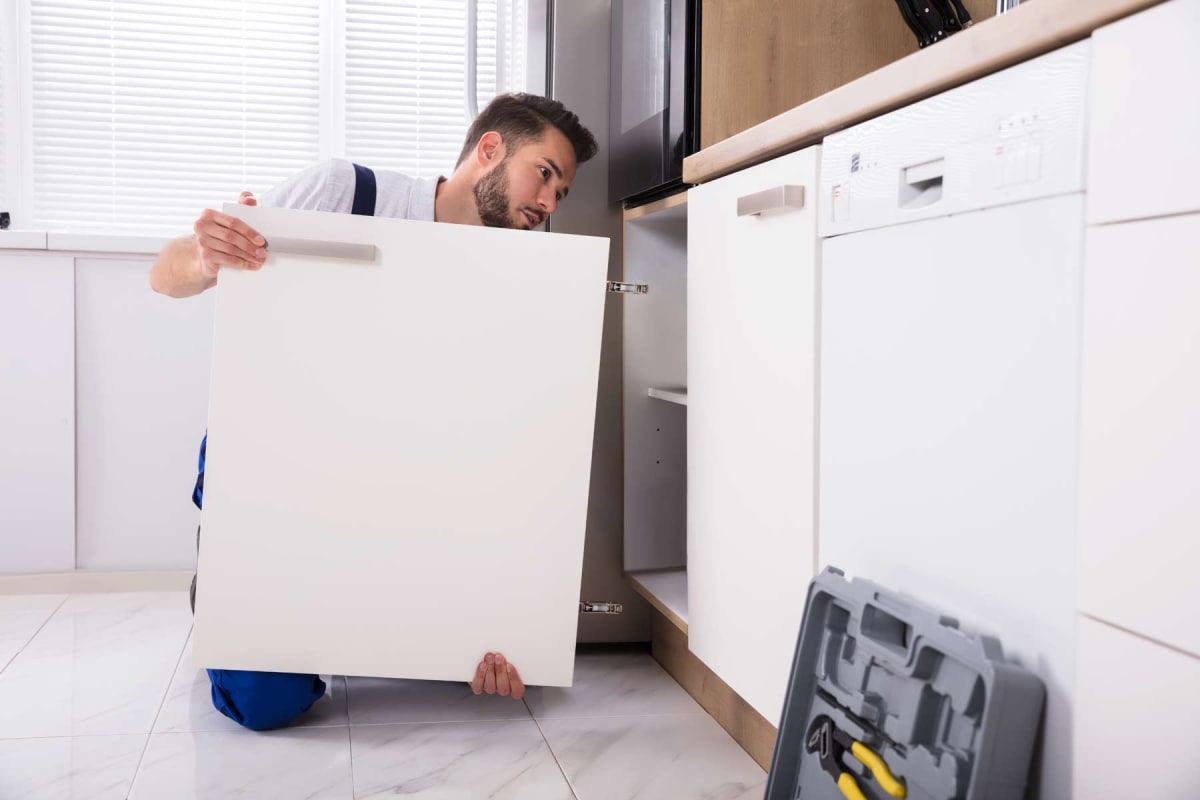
(655, 406)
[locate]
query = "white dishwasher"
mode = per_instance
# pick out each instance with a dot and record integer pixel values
(952, 250)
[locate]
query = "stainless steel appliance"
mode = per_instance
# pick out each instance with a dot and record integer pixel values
(654, 90)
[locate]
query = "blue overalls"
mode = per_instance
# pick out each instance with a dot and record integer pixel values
(265, 700)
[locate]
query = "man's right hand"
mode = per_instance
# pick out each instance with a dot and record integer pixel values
(225, 241)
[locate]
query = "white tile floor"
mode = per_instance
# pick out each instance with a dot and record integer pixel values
(99, 699)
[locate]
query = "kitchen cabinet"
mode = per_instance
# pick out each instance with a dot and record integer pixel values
(37, 413)
(655, 402)
(1143, 158)
(751, 438)
(142, 366)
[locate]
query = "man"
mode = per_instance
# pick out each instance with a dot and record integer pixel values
(517, 163)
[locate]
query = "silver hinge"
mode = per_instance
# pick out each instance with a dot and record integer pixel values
(628, 288)
(590, 607)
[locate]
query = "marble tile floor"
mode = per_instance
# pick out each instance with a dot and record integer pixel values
(99, 699)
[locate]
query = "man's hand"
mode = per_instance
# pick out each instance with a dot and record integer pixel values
(495, 675)
(225, 241)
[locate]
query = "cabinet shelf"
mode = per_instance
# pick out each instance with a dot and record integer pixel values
(666, 589)
(673, 395)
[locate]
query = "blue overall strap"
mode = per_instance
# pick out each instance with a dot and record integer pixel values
(198, 490)
(364, 191)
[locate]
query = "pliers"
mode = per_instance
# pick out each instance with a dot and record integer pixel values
(831, 743)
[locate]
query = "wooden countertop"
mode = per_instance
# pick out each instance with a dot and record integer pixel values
(1036, 27)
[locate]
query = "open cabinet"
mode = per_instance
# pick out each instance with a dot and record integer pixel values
(655, 404)
(720, 417)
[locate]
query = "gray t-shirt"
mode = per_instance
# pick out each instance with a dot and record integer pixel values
(329, 186)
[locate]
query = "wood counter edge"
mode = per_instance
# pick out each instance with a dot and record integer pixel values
(1030, 30)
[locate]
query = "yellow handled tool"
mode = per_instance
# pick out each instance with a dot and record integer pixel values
(831, 743)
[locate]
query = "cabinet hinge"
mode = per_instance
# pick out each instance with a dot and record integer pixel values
(628, 288)
(591, 607)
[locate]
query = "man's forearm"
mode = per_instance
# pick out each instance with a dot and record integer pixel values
(177, 271)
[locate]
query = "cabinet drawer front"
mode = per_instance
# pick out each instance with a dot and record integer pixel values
(1139, 468)
(1142, 154)
(752, 327)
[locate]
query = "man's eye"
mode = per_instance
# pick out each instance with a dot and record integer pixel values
(545, 172)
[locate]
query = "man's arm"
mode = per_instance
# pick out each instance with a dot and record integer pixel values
(188, 265)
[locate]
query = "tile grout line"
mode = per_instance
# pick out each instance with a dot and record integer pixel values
(29, 641)
(158, 713)
(349, 732)
(553, 754)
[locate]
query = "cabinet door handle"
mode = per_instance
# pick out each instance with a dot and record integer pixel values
(787, 196)
(316, 247)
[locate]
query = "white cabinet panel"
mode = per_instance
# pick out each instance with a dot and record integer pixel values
(37, 414)
(1140, 429)
(752, 328)
(399, 450)
(948, 427)
(1135, 719)
(143, 364)
(1143, 160)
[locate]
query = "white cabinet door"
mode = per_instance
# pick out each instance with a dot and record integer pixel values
(1143, 160)
(399, 448)
(1135, 718)
(142, 366)
(37, 413)
(752, 328)
(1140, 429)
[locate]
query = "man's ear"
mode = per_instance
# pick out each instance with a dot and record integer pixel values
(490, 150)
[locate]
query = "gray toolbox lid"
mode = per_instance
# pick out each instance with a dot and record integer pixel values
(949, 718)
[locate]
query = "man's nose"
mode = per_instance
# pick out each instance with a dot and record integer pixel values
(548, 201)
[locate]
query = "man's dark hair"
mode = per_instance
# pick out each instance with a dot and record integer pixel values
(522, 118)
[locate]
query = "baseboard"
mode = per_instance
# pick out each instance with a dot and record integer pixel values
(90, 581)
(747, 727)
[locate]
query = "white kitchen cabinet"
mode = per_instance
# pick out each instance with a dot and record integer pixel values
(1142, 151)
(1139, 472)
(142, 373)
(751, 442)
(439, 506)
(1135, 718)
(655, 400)
(37, 413)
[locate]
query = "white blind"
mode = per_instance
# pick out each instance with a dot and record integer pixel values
(144, 112)
(405, 67)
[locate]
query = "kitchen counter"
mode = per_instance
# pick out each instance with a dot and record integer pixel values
(1037, 27)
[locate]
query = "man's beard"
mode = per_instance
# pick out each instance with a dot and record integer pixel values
(491, 197)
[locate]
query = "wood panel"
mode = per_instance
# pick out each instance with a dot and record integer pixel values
(1033, 29)
(747, 727)
(761, 58)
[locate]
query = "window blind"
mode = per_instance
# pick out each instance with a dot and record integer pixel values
(144, 112)
(405, 87)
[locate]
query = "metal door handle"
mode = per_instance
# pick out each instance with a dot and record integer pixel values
(316, 247)
(780, 197)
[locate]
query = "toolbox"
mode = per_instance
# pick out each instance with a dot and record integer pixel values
(888, 698)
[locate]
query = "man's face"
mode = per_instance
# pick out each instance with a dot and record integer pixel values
(526, 185)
